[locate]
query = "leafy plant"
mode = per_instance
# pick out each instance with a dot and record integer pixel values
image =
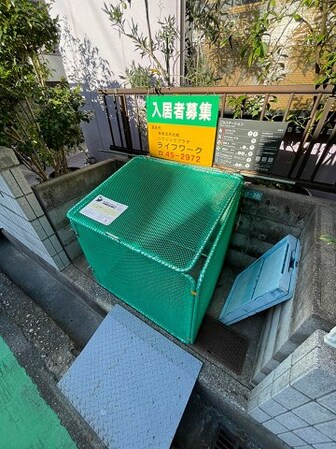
(198, 72)
(245, 105)
(162, 44)
(40, 123)
(268, 35)
(139, 76)
(329, 239)
(161, 50)
(281, 28)
(208, 18)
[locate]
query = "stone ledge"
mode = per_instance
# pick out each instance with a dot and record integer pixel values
(8, 158)
(55, 192)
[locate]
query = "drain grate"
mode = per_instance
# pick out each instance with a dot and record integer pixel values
(224, 441)
(223, 343)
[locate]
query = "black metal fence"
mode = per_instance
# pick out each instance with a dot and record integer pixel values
(308, 152)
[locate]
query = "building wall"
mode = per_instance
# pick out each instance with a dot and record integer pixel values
(55, 65)
(227, 60)
(94, 55)
(21, 215)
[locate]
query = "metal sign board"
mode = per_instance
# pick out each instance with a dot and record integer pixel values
(182, 128)
(248, 145)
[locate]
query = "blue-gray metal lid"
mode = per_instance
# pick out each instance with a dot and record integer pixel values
(130, 383)
(268, 281)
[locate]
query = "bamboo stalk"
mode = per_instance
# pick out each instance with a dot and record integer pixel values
(40, 171)
(37, 69)
(151, 50)
(17, 137)
(320, 45)
(23, 127)
(32, 112)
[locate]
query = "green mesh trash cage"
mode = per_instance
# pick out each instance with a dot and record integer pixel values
(155, 235)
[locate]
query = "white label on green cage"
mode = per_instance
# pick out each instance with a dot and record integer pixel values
(103, 210)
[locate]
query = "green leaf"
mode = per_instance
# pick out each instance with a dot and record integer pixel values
(320, 38)
(265, 48)
(45, 119)
(297, 17)
(329, 239)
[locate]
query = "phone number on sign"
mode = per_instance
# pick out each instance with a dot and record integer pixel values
(182, 157)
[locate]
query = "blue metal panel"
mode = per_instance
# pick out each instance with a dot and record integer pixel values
(268, 281)
(131, 384)
(253, 194)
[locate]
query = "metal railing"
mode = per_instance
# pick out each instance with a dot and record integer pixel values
(309, 144)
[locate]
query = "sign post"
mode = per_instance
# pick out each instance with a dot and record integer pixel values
(182, 128)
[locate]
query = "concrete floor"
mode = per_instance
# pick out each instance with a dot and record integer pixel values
(220, 396)
(46, 352)
(218, 384)
(214, 375)
(218, 400)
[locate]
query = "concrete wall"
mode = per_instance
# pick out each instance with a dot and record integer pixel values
(297, 401)
(313, 305)
(58, 195)
(262, 224)
(21, 215)
(94, 55)
(55, 65)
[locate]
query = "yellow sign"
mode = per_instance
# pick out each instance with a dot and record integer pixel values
(183, 128)
(182, 143)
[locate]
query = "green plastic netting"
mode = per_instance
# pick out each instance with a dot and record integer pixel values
(164, 253)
